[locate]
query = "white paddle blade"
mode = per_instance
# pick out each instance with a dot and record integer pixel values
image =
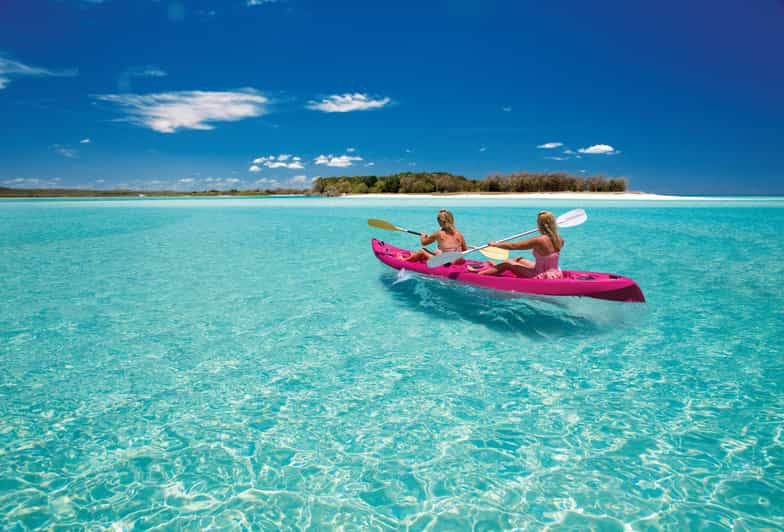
(572, 218)
(442, 258)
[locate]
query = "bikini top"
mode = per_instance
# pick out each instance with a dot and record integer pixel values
(448, 249)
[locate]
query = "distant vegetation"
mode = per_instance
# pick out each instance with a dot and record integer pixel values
(443, 182)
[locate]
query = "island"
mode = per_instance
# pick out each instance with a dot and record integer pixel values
(400, 183)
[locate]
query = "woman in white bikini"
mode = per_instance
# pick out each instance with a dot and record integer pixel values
(448, 238)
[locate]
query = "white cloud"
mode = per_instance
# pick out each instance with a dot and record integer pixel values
(506, 109)
(10, 69)
(338, 161)
(259, 2)
(569, 152)
(350, 150)
(284, 160)
(555, 158)
(299, 179)
(254, 168)
(166, 112)
(599, 149)
(550, 145)
(85, 141)
(483, 148)
(267, 181)
(371, 164)
(343, 103)
(186, 180)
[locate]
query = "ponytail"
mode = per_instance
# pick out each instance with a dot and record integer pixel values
(548, 226)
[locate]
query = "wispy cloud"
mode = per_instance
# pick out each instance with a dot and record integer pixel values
(259, 2)
(10, 69)
(85, 141)
(556, 158)
(65, 151)
(267, 181)
(506, 108)
(146, 71)
(483, 148)
(167, 112)
(599, 149)
(550, 145)
(283, 160)
(337, 161)
(299, 179)
(32, 182)
(343, 103)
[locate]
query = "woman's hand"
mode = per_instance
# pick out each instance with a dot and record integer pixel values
(496, 244)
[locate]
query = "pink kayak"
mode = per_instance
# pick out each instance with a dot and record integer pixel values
(574, 283)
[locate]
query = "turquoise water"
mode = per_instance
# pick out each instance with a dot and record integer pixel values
(247, 363)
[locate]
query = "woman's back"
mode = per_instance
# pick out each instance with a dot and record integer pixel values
(450, 241)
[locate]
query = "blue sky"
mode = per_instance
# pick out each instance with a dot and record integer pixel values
(677, 96)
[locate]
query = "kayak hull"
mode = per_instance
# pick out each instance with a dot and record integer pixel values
(574, 283)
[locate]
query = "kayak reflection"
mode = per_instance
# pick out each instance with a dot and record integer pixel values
(537, 317)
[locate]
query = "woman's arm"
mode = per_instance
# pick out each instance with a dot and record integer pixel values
(523, 244)
(463, 244)
(428, 239)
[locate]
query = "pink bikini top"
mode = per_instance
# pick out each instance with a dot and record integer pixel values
(546, 263)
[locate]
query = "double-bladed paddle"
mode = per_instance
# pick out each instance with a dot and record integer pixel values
(567, 219)
(488, 251)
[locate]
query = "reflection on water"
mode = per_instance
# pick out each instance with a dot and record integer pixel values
(512, 312)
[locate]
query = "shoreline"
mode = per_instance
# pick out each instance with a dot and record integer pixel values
(554, 196)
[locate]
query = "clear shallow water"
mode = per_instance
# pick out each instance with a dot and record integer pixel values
(248, 363)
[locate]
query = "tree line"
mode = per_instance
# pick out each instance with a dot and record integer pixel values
(444, 182)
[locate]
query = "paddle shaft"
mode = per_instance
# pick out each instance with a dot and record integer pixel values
(507, 239)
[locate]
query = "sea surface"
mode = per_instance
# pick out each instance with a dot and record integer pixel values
(246, 363)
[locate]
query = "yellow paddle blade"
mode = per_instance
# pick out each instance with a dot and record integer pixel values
(381, 224)
(495, 253)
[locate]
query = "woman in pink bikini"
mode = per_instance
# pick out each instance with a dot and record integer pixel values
(546, 249)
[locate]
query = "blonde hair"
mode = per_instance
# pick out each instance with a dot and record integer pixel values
(548, 226)
(446, 221)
